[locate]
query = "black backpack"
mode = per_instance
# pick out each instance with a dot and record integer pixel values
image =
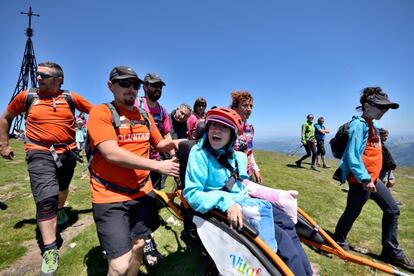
(339, 142)
(32, 95)
(116, 122)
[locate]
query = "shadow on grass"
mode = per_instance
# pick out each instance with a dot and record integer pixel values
(179, 262)
(294, 166)
(3, 206)
(95, 262)
(364, 252)
(73, 216)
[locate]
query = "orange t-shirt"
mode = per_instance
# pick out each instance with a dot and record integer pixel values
(372, 156)
(49, 125)
(134, 138)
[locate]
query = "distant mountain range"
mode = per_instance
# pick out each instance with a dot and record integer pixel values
(401, 148)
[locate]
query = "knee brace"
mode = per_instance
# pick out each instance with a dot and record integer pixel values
(46, 209)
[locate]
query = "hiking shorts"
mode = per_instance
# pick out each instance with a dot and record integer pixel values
(119, 223)
(46, 179)
(320, 147)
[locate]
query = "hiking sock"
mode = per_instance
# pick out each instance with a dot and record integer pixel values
(50, 246)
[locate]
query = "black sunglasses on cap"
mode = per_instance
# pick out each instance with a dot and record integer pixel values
(44, 76)
(126, 83)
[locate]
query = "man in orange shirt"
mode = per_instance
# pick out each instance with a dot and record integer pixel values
(124, 208)
(50, 139)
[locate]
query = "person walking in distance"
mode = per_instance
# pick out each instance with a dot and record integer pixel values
(308, 141)
(320, 132)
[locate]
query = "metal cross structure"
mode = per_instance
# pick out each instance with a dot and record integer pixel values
(27, 71)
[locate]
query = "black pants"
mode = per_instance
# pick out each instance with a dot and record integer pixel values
(290, 249)
(357, 197)
(309, 147)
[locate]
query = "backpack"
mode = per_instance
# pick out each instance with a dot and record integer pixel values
(90, 152)
(32, 95)
(116, 122)
(339, 142)
(159, 121)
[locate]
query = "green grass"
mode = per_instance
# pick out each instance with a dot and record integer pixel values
(319, 195)
(18, 220)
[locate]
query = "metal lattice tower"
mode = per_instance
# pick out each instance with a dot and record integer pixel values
(27, 71)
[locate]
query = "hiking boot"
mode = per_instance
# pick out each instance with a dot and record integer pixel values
(151, 255)
(405, 262)
(62, 217)
(313, 167)
(298, 164)
(50, 262)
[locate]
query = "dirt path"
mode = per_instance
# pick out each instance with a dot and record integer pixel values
(30, 263)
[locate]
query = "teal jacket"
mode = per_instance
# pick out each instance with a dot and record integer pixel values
(352, 159)
(205, 178)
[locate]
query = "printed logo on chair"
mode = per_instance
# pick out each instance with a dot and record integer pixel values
(231, 257)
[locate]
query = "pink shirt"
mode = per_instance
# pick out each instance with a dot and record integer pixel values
(192, 124)
(161, 118)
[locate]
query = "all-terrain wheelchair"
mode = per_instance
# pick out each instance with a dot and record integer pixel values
(233, 252)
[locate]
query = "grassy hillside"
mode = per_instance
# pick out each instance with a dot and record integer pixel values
(320, 196)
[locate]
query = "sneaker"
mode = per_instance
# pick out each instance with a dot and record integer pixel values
(298, 164)
(344, 245)
(151, 255)
(62, 217)
(313, 167)
(50, 262)
(405, 262)
(326, 166)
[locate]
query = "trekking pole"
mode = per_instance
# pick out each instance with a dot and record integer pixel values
(296, 150)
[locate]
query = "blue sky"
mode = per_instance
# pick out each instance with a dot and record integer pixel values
(295, 57)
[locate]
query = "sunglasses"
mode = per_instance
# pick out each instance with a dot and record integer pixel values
(128, 82)
(247, 105)
(156, 85)
(380, 107)
(201, 105)
(44, 76)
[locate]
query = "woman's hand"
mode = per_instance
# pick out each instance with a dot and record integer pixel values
(369, 187)
(235, 216)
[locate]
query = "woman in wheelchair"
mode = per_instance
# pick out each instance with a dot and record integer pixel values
(214, 181)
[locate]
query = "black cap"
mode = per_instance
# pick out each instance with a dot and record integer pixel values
(123, 72)
(153, 78)
(382, 100)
